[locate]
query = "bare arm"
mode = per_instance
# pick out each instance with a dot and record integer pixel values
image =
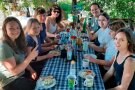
(109, 73)
(105, 62)
(10, 63)
(128, 73)
(40, 58)
(47, 22)
(97, 48)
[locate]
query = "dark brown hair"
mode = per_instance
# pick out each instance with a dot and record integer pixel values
(38, 11)
(19, 43)
(116, 25)
(97, 6)
(55, 7)
(130, 38)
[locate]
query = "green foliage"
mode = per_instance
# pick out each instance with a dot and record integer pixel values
(115, 8)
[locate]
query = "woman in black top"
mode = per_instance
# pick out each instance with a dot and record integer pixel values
(123, 67)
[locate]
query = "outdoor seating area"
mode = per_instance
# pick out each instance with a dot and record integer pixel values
(67, 45)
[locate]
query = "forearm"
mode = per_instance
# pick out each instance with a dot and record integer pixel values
(29, 68)
(107, 76)
(50, 34)
(103, 62)
(40, 58)
(97, 48)
(21, 67)
(117, 88)
(47, 48)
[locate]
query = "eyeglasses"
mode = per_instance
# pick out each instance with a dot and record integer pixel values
(56, 11)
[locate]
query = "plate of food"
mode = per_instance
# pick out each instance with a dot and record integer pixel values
(48, 81)
(83, 73)
(92, 55)
(55, 52)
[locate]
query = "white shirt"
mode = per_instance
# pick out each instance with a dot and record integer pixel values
(103, 36)
(110, 50)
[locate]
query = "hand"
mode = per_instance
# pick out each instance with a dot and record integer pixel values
(33, 54)
(52, 47)
(49, 55)
(87, 56)
(91, 45)
(33, 74)
(55, 41)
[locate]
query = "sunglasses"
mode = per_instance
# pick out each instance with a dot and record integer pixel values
(56, 11)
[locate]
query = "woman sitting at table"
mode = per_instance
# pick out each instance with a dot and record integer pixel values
(13, 58)
(102, 34)
(40, 15)
(123, 67)
(32, 37)
(53, 18)
(110, 51)
(93, 21)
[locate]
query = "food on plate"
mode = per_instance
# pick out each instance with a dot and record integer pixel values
(55, 52)
(84, 73)
(48, 80)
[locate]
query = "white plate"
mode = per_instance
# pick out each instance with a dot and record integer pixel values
(41, 84)
(51, 85)
(92, 55)
(83, 73)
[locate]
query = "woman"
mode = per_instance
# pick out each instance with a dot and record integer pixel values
(32, 37)
(123, 67)
(53, 18)
(40, 15)
(93, 22)
(110, 51)
(13, 58)
(102, 34)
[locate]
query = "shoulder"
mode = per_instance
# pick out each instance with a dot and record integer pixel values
(28, 38)
(5, 51)
(48, 18)
(130, 59)
(4, 45)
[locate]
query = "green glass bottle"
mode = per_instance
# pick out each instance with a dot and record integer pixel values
(84, 26)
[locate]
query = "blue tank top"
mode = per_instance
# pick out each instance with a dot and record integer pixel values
(42, 33)
(119, 72)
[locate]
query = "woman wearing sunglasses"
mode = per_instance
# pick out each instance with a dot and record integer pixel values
(53, 18)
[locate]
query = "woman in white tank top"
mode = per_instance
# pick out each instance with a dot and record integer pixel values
(53, 18)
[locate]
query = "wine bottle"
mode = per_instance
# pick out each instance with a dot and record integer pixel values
(84, 26)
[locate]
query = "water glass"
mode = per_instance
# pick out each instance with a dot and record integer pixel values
(72, 81)
(85, 45)
(69, 54)
(89, 81)
(85, 63)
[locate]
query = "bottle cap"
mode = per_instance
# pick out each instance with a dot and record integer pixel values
(72, 62)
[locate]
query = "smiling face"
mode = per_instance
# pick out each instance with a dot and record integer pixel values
(34, 29)
(55, 13)
(41, 18)
(95, 10)
(13, 30)
(120, 41)
(102, 21)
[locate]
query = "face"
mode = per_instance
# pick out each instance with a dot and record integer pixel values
(120, 41)
(35, 29)
(13, 30)
(95, 10)
(55, 13)
(102, 21)
(41, 18)
(112, 33)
